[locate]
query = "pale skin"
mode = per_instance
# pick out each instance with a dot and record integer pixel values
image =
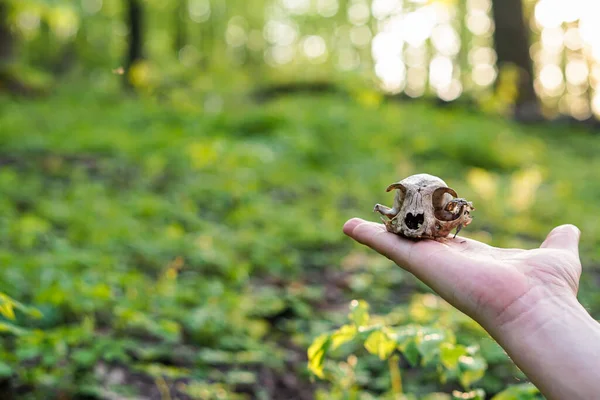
(525, 299)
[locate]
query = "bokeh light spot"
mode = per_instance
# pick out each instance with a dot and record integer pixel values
(392, 74)
(484, 74)
(577, 72)
(314, 46)
(445, 40)
(358, 14)
(199, 10)
(440, 72)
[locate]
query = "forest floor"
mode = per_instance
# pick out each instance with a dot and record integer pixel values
(190, 247)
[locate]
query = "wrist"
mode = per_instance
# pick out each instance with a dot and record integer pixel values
(555, 342)
(535, 310)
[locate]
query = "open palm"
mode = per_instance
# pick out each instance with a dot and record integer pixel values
(492, 285)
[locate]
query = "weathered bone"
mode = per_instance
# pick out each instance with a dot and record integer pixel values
(425, 208)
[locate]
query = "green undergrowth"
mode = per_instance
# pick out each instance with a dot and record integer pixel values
(195, 243)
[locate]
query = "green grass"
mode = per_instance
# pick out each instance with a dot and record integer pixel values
(202, 251)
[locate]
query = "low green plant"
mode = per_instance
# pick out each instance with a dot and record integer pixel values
(433, 346)
(205, 248)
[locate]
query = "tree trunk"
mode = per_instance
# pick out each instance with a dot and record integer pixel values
(135, 46)
(180, 26)
(511, 38)
(6, 38)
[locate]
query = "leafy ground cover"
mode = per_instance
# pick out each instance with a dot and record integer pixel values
(188, 247)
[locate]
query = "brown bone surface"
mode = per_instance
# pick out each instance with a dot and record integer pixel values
(425, 208)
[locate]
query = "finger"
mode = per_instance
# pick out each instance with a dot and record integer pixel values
(410, 255)
(397, 248)
(351, 224)
(376, 237)
(446, 268)
(461, 243)
(564, 237)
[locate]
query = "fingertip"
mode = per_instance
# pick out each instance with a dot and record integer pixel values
(364, 232)
(351, 224)
(572, 228)
(392, 246)
(563, 237)
(376, 237)
(567, 230)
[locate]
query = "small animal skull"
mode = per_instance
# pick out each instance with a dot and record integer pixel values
(425, 208)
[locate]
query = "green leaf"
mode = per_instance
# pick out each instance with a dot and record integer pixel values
(91, 391)
(343, 335)
(5, 327)
(405, 338)
(428, 342)
(8, 305)
(84, 358)
(316, 354)
(32, 312)
(5, 370)
(471, 369)
(477, 394)
(7, 310)
(380, 344)
(410, 352)
(450, 353)
(436, 396)
(406, 333)
(359, 312)
(524, 391)
(467, 378)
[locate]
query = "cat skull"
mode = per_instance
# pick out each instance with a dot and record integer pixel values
(425, 208)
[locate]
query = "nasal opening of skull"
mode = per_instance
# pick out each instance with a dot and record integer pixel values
(414, 221)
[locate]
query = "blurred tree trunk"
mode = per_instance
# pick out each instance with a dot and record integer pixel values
(511, 39)
(256, 19)
(10, 79)
(7, 80)
(180, 25)
(6, 38)
(136, 42)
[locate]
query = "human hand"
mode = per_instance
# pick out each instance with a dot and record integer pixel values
(526, 299)
(494, 286)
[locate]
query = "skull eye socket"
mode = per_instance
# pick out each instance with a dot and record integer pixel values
(444, 208)
(414, 221)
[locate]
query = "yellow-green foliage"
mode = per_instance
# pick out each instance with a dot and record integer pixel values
(176, 237)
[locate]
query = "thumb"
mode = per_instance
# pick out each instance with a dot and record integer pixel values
(564, 237)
